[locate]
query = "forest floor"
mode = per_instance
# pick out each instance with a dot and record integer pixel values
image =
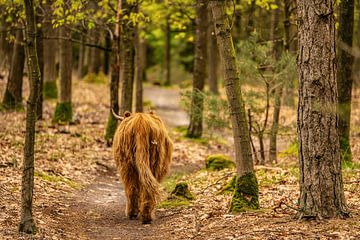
(78, 195)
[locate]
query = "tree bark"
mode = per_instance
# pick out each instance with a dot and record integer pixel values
(63, 111)
(212, 56)
(81, 63)
(40, 56)
(197, 99)
(107, 54)
(139, 71)
(127, 58)
(344, 75)
(13, 92)
(246, 194)
(321, 186)
(95, 60)
(5, 46)
(250, 23)
(356, 68)
(114, 77)
(50, 74)
(27, 223)
(167, 60)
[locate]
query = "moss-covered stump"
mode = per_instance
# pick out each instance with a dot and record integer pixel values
(63, 112)
(218, 162)
(50, 90)
(182, 190)
(345, 149)
(110, 128)
(246, 194)
(180, 196)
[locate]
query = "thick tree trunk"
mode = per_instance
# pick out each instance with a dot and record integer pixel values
(40, 56)
(27, 223)
(212, 56)
(50, 73)
(81, 63)
(13, 92)
(321, 186)
(197, 99)
(127, 59)
(167, 60)
(344, 75)
(63, 111)
(246, 194)
(114, 77)
(139, 72)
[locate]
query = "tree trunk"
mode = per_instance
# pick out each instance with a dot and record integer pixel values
(5, 46)
(40, 56)
(13, 92)
(81, 63)
(50, 73)
(167, 60)
(63, 111)
(356, 68)
(127, 59)
(344, 75)
(246, 194)
(95, 60)
(114, 77)
(27, 223)
(107, 54)
(212, 56)
(321, 186)
(250, 23)
(197, 99)
(139, 71)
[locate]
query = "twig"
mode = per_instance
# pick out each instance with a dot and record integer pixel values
(217, 181)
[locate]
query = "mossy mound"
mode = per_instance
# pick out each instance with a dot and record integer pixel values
(218, 162)
(182, 190)
(180, 196)
(63, 112)
(246, 194)
(345, 149)
(110, 128)
(50, 90)
(95, 78)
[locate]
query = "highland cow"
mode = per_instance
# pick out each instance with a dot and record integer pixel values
(142, 150)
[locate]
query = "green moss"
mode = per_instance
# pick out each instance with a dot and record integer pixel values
(182, 190)
(246, 194)
(110, 128)
(180, 196)
(173, 202)
(56, 179)
(218, 162)
(95, 78)
(10, 102)
(230, 187)
(170, 182)
(345, 150)
(63, 112)
(50, 90)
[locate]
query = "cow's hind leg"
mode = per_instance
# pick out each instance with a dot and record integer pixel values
(132, 190)
(147, 206)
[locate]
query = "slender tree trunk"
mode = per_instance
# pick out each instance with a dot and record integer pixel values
(95, 60)
(13, 92)
(212, 56)
(5, 46)
(237, 29)
(63, 111)
(344, 75)
(356, 68)
(50, 72)
(246, 194)
(167, 60)
(321, 185)
(277, 51)
(27, 223)
(81, 63)
(114, 77)
(127, 59)
(250, 23)
(40, 56)
(139, 72)
(197, 99)
(107, 54)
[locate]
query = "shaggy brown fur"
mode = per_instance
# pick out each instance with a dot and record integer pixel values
(142, 150)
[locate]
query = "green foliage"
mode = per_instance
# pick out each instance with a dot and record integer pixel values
(218, 162)
(50, 90)
(246, 194)
(63, 112)
(292, 150)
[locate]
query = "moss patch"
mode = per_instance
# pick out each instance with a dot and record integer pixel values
(95, 78)
(180, 196)
(345, 150)
(50, 90)
(230, 187)
(63, 112)
(182, 190)
(218, 162)
(10, 102)
(110, 128)
(56, 179)
(246, 194)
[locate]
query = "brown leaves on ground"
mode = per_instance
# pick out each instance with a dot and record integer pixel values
(78, 196)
